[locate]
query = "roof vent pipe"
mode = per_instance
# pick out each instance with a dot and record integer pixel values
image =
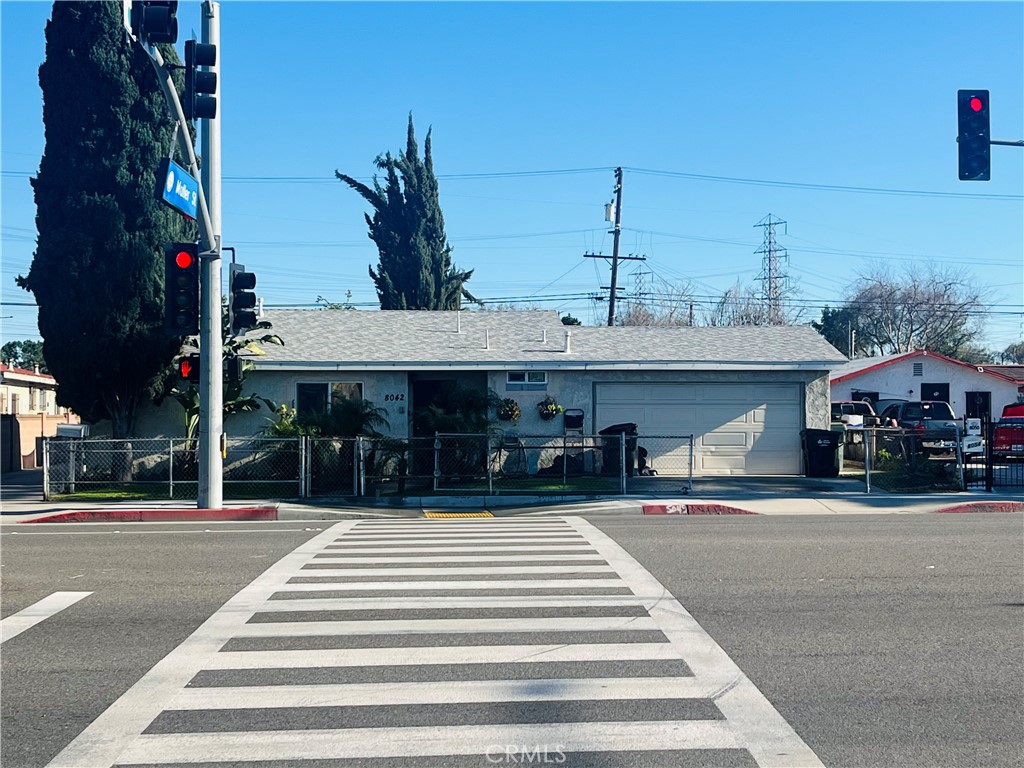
(259, 307)
(544, 336)
(487, 338)
(458, 321)
(568, 342)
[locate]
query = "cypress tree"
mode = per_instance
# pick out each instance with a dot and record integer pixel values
(97, 272)
(415, 269)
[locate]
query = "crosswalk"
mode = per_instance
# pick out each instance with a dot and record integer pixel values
(422, 643)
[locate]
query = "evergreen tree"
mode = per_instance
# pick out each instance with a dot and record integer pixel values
(25, 354)
(97, 273)
(415, 269)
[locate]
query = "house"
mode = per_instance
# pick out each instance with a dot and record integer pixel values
(744, 392)
(28, 411)
(973, 391)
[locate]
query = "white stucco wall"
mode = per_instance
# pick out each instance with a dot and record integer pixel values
(576, 390)
(390, 390)
(897, 381)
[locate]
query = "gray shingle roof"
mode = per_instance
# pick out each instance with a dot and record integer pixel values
(498, 339)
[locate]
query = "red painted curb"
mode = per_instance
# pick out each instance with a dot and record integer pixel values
(158, 515)
(985, 506)
(694, 509)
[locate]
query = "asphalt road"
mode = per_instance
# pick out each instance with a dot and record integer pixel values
(882, 640)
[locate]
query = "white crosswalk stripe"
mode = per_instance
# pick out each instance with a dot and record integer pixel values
(475, 642)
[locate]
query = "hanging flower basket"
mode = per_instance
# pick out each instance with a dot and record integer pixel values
(508, 410)
(548, 408)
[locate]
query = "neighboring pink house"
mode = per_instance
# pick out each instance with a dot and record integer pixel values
(29, 410)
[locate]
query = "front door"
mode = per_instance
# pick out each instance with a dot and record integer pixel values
(979, 405)
(935, 392)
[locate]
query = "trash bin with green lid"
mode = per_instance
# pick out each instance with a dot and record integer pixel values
(820, 446)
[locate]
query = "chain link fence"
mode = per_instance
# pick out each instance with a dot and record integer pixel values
(910, 461)
(498, 463)
(168, 468)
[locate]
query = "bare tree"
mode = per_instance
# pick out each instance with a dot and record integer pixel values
(940, 310)
(668, 305)
(739, 305)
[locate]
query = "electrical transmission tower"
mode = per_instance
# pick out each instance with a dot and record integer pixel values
(774, 282)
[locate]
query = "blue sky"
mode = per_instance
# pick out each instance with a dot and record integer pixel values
(694, 100)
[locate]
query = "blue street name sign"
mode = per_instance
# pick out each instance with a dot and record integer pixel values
(177, 188)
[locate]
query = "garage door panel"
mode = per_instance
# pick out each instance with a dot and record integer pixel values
(723, 438)
(780, 413)
(774, 393)
(669, 393)
(739, 428)
(718, 464)
(716, 416)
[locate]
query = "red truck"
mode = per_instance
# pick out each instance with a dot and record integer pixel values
(1008, 436)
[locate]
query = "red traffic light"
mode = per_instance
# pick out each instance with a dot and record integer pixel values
(183, 259)
(977, 104)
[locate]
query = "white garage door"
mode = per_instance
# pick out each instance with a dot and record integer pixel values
(739, 429)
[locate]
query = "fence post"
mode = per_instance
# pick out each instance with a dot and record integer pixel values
(960, 457)
(361, 462)
(437, 461)
(869, 451)
(170, 465)
(72, 460)
(622, 461)
(302, 465)
(46, 469)
(490, 465)
(689, 486)
(990, 458)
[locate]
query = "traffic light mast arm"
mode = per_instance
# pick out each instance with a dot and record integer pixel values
(206, 234)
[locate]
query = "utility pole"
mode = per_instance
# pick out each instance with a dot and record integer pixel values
(211, 341)
(772, 277)
(615, 232)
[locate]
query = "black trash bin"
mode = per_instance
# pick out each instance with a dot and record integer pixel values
(611, 452)
(820, 446)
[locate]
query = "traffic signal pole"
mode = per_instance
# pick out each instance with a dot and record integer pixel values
(211, 339)
(211, 395)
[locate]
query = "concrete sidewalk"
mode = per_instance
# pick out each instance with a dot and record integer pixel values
(21, 500)
(735, 500)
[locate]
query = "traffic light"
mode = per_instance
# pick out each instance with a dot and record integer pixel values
(181, 289)
(155, 21)
(973, 142)
(188, 368)
(233, 369)
(242, 302)
(199, 101)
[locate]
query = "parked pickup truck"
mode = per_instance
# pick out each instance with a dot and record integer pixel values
(933, 420)
(1008, 434)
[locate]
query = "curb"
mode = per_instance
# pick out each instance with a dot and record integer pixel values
(985, 506)
(694, 509)
(158, 515)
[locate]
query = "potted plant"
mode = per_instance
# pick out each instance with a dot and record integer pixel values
(508, 410)
(548, 408)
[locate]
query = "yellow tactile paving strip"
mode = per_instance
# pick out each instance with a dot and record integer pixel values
(457, 514)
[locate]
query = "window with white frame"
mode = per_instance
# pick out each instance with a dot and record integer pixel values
(321, 397)
(521, 381)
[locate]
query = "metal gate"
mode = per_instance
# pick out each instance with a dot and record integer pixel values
(986, 471)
